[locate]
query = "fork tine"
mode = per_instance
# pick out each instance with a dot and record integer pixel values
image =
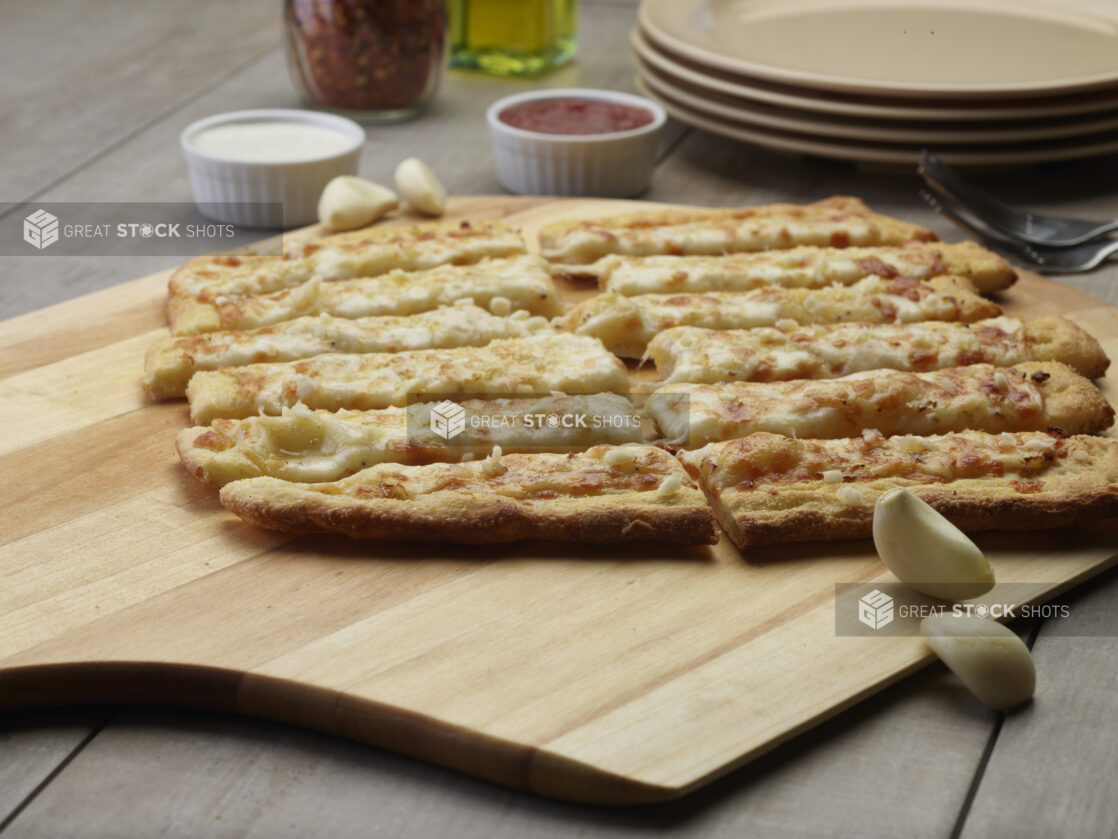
(1059, 260)
(938, 174)
(1017, 250)
(1045, 231)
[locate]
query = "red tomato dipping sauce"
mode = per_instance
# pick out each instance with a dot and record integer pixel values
(575, 116)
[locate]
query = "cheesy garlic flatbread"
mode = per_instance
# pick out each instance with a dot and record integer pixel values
(833, 222)
(171, 362)
(305, 445)
(564, 363)
(359, 253)
(627, 324)
(824, 351)
(1033, 396)
(801, 267)
(522, 281)
(606, 494)
(767, 488)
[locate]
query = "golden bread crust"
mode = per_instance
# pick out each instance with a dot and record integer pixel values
(575, 497)
(1059, 339)
(767, 488)
(1033, 396)
(840, 221)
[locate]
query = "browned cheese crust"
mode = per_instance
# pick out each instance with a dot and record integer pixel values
(569, 498)
(627, 324)
(839, 221)
(523, 281)
(562, 362)
(367, 252)
(823, 351)
(767, 488)
(806, 266)
(170, 363)
(207, 293)
(1034, 396)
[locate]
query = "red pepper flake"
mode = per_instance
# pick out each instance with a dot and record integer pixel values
(367, 54)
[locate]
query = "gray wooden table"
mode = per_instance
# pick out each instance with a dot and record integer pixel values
(93, 98)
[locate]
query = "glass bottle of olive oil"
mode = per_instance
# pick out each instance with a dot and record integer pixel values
(523, 38)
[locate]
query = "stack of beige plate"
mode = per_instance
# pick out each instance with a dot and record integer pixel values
(983, 82)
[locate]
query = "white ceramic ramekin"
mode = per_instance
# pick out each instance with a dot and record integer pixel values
(273, 194)
(616, 165)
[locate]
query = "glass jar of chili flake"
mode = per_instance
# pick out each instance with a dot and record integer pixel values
(374, 60)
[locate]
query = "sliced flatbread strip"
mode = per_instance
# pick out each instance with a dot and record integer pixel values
(802, 267)
(607, 494)
(824, 351)
(306, 445)
(767, 488)
(171, 362)
(564, 363)
(627, 324)
(359, 253)
(1034, 396)
(838, 222)
(523, 281)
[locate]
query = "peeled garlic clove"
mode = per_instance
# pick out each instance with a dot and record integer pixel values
(927, 552)
(419, 186)
(990, 659)
(349, 202)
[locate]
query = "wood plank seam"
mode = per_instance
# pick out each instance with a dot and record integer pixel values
(145, 126)
(987, 752)
(7, 821)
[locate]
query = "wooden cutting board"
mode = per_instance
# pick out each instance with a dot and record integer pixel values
(587, 673)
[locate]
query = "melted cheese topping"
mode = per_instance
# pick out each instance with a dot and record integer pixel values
(802, 267)
(691, 354)
(361, 253)
(171, 362)
(837, 221)
(520, 283)
(567, 363)
(524, 477)
(305, 445)
(1035, 396)
(627, 324)
(754, 464)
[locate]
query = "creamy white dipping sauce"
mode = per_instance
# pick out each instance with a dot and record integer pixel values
(270, 142)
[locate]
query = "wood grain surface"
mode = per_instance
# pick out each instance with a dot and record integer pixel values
(575, 672)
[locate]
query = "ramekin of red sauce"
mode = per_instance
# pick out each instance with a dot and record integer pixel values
(575, 116)
(575, 142)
